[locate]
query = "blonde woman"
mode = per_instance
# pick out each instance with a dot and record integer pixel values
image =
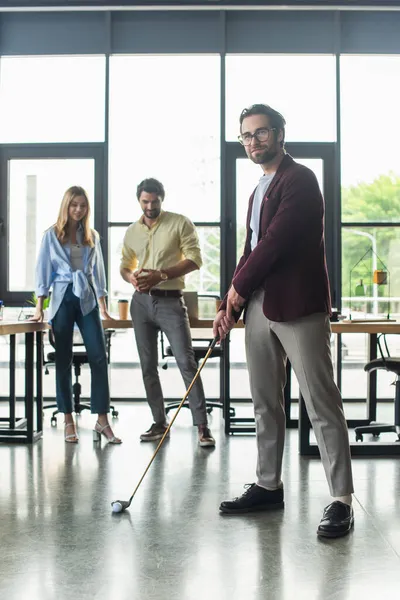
(71, 263)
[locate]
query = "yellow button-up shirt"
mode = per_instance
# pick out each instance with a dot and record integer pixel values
(173, 238)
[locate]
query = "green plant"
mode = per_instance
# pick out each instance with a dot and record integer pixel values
(34, 301)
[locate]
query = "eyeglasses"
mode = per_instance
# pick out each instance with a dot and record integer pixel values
(261, 135)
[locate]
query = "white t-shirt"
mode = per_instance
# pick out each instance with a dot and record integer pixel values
(76, 257)
(259, 194)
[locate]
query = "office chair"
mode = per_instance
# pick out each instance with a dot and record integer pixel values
(391, 364)
(200, 350)
(79, 358)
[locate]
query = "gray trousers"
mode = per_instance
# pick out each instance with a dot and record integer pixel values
(150, 314)
(306, 342)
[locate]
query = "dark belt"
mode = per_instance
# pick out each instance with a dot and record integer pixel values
(164, 293)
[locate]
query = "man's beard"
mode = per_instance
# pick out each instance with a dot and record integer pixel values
(264, 157)
(153, 214)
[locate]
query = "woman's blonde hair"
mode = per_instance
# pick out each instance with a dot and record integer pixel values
(61, 226)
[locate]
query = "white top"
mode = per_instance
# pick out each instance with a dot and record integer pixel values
(259, 194)
(76, 257)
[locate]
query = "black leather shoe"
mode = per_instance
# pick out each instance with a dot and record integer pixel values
(254, 498)
(337, 520)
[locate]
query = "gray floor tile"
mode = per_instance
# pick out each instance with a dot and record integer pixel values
(59, 539)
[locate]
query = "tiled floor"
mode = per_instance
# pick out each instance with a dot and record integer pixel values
(59, 539)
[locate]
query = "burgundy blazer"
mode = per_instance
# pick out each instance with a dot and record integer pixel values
(289, 260)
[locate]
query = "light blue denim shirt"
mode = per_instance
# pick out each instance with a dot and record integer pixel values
(53, 270)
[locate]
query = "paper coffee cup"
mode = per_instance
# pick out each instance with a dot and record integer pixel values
(123, 309)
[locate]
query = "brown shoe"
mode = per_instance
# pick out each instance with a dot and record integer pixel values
(155, 432)
(205, 437)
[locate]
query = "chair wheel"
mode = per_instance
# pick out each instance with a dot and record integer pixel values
(115, 413)
(359, 437)
(53, 422)
(209, 410)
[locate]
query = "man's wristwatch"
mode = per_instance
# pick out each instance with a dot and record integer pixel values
(164, 276)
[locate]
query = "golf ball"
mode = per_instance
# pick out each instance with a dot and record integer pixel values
(117, 507)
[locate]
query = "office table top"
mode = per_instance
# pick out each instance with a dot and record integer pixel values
(8, 327)
(366, 327)
(13, 327)
(197, 325)
(337, 327)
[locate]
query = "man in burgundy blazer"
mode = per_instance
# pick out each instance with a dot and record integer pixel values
(282, 282)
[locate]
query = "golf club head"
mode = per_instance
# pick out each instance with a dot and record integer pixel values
(123, 503)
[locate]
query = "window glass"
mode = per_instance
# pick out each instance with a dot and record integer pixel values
(165, 123)
(370, 129)
(52, 99)
(300, 87)
(35, 190)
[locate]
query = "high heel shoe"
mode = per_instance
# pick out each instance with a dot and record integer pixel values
(98, 431)
(71, 438)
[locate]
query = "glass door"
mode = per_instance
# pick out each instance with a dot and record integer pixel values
(33, 181)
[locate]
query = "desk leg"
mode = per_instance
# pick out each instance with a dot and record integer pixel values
(39, 382)
(29, 384)
(372, 378)
(12, 399)
(226, 385)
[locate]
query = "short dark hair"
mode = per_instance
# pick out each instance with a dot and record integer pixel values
(276, 119)
(151, 186)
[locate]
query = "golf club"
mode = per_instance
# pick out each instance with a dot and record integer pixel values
(121, 505)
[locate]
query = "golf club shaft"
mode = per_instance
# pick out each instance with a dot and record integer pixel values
(211, 348)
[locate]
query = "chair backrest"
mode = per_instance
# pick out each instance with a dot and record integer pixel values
(51, 338)
(380, 347)
(192, 304)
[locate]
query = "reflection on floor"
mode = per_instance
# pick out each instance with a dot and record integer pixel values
(60, 540)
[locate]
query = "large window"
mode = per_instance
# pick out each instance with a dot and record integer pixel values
(52, 99)
(165, 123)
(301, 87)
(370, 128)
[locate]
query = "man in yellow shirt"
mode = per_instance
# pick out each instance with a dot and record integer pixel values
(158, 251)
